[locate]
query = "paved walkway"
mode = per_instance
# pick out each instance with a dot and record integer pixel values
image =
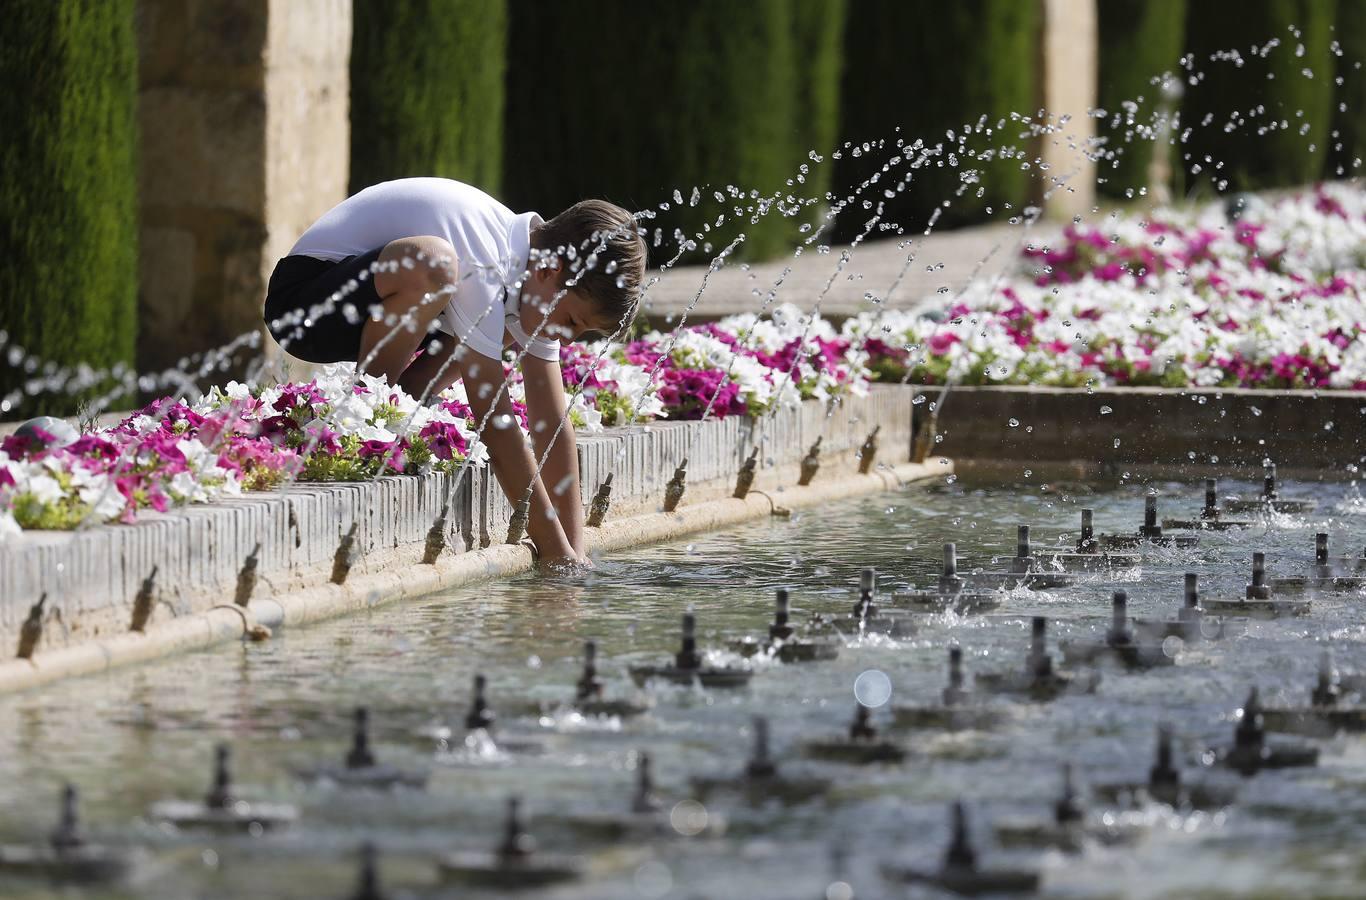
(943, 262)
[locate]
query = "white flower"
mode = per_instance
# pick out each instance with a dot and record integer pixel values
(43, 488)
(9, 528)
(375, 433)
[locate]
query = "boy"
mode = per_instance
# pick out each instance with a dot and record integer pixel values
(435, 265)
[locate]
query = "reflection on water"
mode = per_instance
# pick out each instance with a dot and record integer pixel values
(146, 734)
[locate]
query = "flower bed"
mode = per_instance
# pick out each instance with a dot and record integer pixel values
(339, 427)
(1183, 299)
(1272, 300)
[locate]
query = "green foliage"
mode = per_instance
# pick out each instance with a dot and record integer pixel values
(68, 188)
(819, 36)
(926, 66)
(629, 101)
(427, 90)
(1139, 40)
(1349, 98)
(1281, 156)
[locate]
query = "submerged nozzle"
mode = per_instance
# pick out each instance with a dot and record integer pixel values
(687, 656)
(1087, 542)
(1163, 774)
(782, 610)
(645, 800)
(1040, 663)
(1328, 690)
(589, 685)
(480, 715)
(960, 854)
(1119, 620)
(1258, 589)
(761, 763)
(360, 756)
(1250, 732)
(955, 692)
(220, 794)
(1068, 809)
(1211, 510)
(517, 843)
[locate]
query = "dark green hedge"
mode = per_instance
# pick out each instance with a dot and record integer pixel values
(929, 66)
(1279, 157)
(1349, 98)
(819, 29)
(1139, 39)
(68, 185)
(427, 90)
(629, 101)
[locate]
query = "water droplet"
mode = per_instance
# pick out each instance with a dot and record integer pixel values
(1014, 423)
(1105, 410)
(872, 688)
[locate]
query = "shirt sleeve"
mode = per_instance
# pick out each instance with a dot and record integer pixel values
(475, 317)
(539, 347)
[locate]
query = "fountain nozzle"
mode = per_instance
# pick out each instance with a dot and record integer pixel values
(602, 501)
(673, 491)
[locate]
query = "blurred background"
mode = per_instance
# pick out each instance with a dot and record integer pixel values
(160, 156)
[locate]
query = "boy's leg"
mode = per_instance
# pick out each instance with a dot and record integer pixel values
(412, 294)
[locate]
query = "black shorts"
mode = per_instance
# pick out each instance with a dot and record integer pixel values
(316, 309)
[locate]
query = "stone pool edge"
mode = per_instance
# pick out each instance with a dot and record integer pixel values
(403, 577)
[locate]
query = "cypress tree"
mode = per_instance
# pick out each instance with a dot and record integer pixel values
(427, 90)
(1255, 155)
(819, 48)
(631, 101)
(927, 67)
(68, 191)
(1349, 97)
(1139, 40)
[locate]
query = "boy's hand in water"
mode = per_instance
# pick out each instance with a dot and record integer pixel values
(565, 565)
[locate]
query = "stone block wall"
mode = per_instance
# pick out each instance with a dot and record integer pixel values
(245, 140)
(1207, 430)
(92, 576)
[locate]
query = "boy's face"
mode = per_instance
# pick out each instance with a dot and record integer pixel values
(574, 316)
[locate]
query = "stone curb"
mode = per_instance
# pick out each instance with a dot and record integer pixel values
(1187, 432)
(406, 578)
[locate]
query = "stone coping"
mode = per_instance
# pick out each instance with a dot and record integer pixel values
(1179, 431)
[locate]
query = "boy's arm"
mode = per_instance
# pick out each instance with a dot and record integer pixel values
(546, 407)
(510, 457)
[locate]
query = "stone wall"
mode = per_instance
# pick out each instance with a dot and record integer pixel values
(91, 577)
(1199, 431)
(245, 140)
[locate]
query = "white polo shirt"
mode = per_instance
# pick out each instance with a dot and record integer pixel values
(492, 245)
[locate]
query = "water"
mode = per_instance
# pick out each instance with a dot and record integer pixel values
(146, 734)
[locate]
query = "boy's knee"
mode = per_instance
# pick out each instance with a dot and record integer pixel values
(424, 263)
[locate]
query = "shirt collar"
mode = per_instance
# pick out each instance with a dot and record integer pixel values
(519, 242)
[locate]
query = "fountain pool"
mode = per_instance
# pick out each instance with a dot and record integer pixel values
(140, 736)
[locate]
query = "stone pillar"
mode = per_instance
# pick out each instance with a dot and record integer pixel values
(1069, 50)
(245, 140)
